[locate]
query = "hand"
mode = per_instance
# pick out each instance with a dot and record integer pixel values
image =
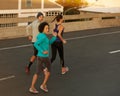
(30, 38)
(45, 52)
(64, 41)
(54, 33)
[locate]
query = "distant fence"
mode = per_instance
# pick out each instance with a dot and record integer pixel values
(72, 23)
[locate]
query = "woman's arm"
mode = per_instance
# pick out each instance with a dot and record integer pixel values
(39, 40)
(53, 38)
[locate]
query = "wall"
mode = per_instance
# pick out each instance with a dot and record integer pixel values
(8, 4)
(86, 21)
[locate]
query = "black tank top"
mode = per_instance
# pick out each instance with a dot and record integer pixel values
(56, 30)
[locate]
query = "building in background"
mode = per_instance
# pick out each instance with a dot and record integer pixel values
(27, 8)
(23, 8)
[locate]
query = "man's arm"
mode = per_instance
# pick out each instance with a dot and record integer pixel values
(29, 31)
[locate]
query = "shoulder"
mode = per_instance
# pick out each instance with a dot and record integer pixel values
(41, 35)
(61, 26)
(35, 21)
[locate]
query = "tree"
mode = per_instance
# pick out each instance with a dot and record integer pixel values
(71, 3)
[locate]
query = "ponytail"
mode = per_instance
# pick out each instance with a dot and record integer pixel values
(53, 19)
(57, 18)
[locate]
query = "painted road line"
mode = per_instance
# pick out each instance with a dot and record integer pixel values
(81, 37)
(14, 47)
(113, 52)
(6, 78)
(94, 35)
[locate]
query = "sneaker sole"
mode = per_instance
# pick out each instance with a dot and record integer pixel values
(67, 69)
(32, 91)
(41, 87)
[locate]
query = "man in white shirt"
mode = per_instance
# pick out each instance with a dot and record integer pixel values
(32, 37)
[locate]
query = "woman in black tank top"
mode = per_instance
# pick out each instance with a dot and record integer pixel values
(58, 44)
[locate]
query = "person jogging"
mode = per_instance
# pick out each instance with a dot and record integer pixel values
(32, 37)
(58, 44)
(42, 45)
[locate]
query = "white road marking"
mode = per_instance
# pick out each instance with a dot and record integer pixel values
(113, 52)
(101, 34)
(6, 78)
(14, 47)
(81, 37)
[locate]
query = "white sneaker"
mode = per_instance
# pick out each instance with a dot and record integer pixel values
(33, 91)
(45, 69)
(44, 88)
(66, 70)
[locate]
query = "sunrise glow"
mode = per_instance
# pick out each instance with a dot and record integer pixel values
(91, 1)
(107, 3)
(52, 0)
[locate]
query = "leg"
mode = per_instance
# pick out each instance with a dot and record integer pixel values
(44, 84)
(53, 51)
(46, 77)
(35, 77)
(61, 54)
(32, 59)
(46, 74)
(32, 88)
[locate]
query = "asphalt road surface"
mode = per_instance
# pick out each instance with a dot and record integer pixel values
(93, 57)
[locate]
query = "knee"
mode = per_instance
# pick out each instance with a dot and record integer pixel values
(47, 74)
(36, 75)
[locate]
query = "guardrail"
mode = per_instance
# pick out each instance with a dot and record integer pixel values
(72, 23)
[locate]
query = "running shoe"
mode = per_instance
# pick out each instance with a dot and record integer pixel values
(45, 69)
(64, 70)
(44, 88)
(31, 90)
(27, 70)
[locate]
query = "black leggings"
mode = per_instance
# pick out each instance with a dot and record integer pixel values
(57, 46)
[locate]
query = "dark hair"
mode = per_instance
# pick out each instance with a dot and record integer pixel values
(42, 26)
(57, 18)
(39, 14)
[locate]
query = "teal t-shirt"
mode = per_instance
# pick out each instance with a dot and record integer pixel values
(42, 44)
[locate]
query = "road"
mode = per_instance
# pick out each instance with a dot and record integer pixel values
(93, 57)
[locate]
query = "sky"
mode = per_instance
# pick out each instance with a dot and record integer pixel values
(106, 6)
(106, 3)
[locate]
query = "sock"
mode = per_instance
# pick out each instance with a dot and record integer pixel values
(30, 63)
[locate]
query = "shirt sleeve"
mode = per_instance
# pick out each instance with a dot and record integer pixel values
(29, 29)
(39, 40)
(52, 39)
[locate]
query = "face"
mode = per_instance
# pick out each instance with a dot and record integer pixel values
(46, 29)
(40, 18)
(61, 20)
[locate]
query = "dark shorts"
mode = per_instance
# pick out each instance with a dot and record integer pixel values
(35, 51)
(43, 63)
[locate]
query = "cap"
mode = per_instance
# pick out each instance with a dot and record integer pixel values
(39, 14)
